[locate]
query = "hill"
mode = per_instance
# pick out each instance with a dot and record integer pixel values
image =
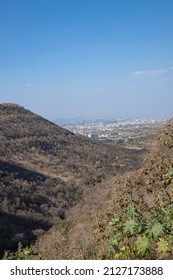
(140, 223)
(128, 216)
(46, 170)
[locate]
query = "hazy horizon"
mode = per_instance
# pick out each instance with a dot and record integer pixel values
(88, 59)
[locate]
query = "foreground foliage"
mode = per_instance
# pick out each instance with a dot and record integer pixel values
(144, 227)
(136, 238)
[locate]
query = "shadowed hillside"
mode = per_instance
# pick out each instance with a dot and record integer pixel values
(45, 170)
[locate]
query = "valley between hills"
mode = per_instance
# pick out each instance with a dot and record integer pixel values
(66, 196)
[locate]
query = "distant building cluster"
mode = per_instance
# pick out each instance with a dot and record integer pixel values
(113, 130)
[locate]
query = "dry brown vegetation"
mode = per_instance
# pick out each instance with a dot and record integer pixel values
(148, 193)
(46, 170)
(87, 234)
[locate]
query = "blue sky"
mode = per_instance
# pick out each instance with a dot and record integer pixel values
(87, 58)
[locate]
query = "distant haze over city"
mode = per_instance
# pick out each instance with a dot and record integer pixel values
(108, 119)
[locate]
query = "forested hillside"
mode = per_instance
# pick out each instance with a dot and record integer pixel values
(45, 170)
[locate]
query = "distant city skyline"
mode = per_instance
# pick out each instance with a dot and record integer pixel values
(88, 58)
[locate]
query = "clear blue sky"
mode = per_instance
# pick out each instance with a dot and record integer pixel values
(87, 58)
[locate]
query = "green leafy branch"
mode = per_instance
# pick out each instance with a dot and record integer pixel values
(132, 238)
